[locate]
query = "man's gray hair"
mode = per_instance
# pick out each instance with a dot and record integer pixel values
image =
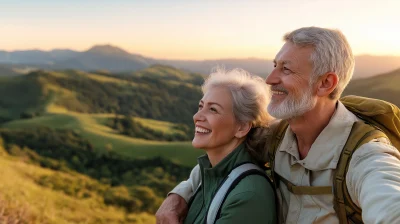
(332, 53)
(250, 94)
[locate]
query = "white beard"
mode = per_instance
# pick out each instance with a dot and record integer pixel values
(292, 107)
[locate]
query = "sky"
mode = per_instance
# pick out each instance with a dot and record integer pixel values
(195, 30)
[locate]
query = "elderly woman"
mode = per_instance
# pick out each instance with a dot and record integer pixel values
(233, 103)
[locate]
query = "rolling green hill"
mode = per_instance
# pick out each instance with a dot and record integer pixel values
(385, 87)
(102, 137)
(83, 102)
(149, 93)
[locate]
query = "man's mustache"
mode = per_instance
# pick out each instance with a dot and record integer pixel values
(279, 88)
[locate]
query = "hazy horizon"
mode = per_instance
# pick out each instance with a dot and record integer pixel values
(194, 30)
(183, 59)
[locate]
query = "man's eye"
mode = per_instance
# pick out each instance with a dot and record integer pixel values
(200, 107)
(274, 65)
(286, 70)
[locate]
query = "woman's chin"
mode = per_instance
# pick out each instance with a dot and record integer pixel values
(197, 144)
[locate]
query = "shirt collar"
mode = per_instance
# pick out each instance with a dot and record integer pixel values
(326, 149)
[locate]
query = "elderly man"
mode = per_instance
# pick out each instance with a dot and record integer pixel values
(311, 71)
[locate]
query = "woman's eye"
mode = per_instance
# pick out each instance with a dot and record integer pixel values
(213, 109)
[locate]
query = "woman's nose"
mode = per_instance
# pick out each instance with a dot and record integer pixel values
(198, 116)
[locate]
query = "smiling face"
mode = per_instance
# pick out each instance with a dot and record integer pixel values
(292, 94)
(216, 125)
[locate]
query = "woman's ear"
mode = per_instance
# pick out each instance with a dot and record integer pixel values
(243, 130)
(327, 84)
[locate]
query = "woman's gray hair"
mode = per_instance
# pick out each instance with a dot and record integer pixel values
(332, 53)
(249, 92)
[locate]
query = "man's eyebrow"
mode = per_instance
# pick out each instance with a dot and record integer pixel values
(285, 62)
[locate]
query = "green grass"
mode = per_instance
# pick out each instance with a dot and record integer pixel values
(102, 78)
(63, 121)
(34, 204)
(164, 126)
(89, 127)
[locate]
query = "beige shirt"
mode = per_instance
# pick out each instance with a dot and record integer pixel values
(373, 178)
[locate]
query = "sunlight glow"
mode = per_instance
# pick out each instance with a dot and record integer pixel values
(195, 29)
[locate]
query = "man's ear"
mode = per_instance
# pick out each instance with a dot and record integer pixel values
(244, 128)
(327, 84)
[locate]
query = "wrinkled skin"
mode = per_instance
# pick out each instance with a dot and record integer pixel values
(172, 211)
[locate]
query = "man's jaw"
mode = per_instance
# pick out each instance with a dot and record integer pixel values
(289, 107)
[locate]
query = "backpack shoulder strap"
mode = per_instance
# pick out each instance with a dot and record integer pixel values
(305, 190)
(234, 177)
(279, 133)
(345, 208)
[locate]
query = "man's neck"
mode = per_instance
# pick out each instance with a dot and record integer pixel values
(308, 126)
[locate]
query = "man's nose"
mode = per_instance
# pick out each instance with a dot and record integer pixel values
(273, 77)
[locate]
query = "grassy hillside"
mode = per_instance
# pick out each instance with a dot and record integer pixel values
(62, 161)
(385, 87)
(158, 92)
(24, 200)
(120, 189)
(101, 137)
(83, 102)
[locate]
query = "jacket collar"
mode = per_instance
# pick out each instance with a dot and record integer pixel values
(223, 168)
(325, 151)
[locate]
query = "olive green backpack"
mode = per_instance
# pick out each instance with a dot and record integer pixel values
(379, 119)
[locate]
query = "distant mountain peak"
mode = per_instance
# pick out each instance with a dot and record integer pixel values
(108, 49)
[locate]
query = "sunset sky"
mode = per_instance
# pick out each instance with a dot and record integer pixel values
(203, 29)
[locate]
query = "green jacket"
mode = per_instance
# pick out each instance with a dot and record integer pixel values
(251, 201)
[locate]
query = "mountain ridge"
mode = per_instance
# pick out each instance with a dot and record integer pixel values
(116, 59)
(384, 86)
